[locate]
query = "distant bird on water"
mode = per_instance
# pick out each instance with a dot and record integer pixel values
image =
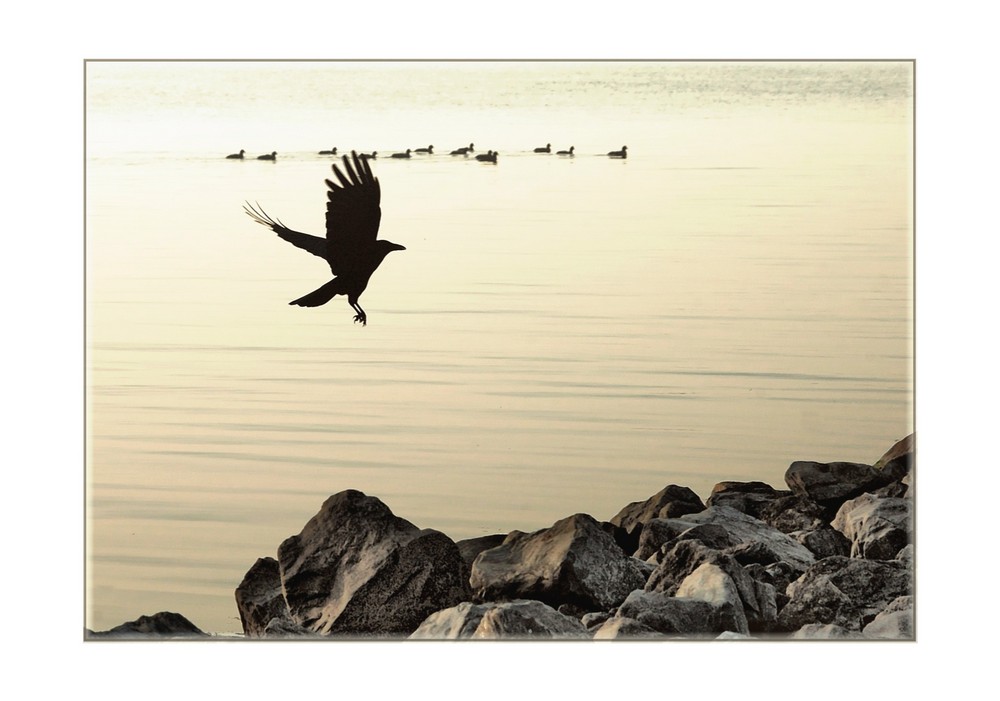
(488, 157)
(237, 155)
(331, 152)
(464, 151)
(273, 156)
(366, 156)
(547, 148)
(429, 149)
(566, 153)
(351, 247)
(402, 155)
(619, 154)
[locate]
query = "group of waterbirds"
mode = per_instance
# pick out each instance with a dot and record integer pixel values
(488, 157)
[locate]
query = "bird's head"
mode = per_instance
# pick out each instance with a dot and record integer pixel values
(387, 247)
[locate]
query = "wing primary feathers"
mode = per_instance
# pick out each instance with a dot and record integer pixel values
(350, 172)
(261, 217)
(341, 177)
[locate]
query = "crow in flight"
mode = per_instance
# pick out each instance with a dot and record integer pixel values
(350, 246)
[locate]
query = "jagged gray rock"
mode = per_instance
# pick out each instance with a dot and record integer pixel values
(511, 620)
(356, 569)
(828, 631)
(670, 502)
(831, 484)
(676, 615)
(625, 629)
(748, 497)
(877, 528)
(894, 622)
(572, 562)
(260, 601)
(165, 624)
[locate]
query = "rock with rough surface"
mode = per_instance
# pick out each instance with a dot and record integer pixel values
(670, 502)
(831, 484)
(710, 583)
(828, 631)
(877, 528)
(512, 620)
(845, 591)
(356, 569)
(164, 624)
(573, 562)
(259, 599)
(677, 616)
(895, 622)
(749, 497)
(898, 461)
(625, 629)
(471, 547)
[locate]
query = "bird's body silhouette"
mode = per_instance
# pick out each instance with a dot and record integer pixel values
(619, 154)
(488, 157)
(429, 149)
(331, 152)
(463, 151)
(547, 148)
(351, 247)
(566, 153)
(405, 154)
(237, 155)
(373, 154)
(268, 156)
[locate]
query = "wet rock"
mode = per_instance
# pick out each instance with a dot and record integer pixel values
(164, 624)
(747, 497)
(572, 562)
(356, 569)
(512, 620)
(670, 502)
(845, 591)
(877, 528)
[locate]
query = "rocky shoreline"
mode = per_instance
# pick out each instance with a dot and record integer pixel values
(830, 557)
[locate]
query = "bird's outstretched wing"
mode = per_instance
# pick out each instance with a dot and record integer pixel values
(314, 244)
(353, 212)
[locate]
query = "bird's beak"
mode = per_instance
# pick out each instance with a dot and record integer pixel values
(397, 247)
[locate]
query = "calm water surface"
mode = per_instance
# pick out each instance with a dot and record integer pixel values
(561, 335)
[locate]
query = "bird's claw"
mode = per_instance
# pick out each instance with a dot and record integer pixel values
(362, 319)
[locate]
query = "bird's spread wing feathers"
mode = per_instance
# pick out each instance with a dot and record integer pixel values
(314, 244)
(353, 212)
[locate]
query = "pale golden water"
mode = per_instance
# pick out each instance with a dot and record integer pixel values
(561, 335)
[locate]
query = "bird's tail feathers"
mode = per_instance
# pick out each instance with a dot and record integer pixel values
(322, 295)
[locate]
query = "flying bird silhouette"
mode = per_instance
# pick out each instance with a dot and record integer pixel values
(351, 246)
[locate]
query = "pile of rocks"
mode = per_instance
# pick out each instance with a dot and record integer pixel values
(830, 557)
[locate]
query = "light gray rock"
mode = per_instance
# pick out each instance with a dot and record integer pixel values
(625, 629)
(895, 622)
(511, 620)
(711, 584)
(358, 570)
(828, 631)
(845, 591)
(877, 528)
(573, 562)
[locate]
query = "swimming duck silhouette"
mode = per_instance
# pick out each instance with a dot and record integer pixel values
(429, 149)
(402, 155)
(547, 148)
(464, 151)
(331, 152)
(273, 156)
(488, 157)
(237, 155)
(366, 156)
(619, 154)
(566, 153)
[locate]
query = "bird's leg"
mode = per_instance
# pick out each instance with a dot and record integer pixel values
(360, 316)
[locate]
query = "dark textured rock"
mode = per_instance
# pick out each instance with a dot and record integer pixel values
(845, 591)
(572, 562)
(661, 532)
(899, 460)
(358, 570)
(164, 624)
(894, 622)
(471, 547)
(876, 528)
(831, 484)
(675, 615)
(795, 513)
(824, 542)
(259, 599)
(512, 620)
(670, 502)
(748, 553)
(748, 497)
(625, 629)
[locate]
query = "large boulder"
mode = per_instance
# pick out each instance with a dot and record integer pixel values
(573, 562)
(844, 591)
(831, 484)
(358, 570)
(660, 532)
(670, 502)
(895, 622)
(794, 513)
(899, 460)
(828, 631)
(877, 528)
(511, 620)
(711, 583)
(164, 624)
(675, 615)
(471, 547)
